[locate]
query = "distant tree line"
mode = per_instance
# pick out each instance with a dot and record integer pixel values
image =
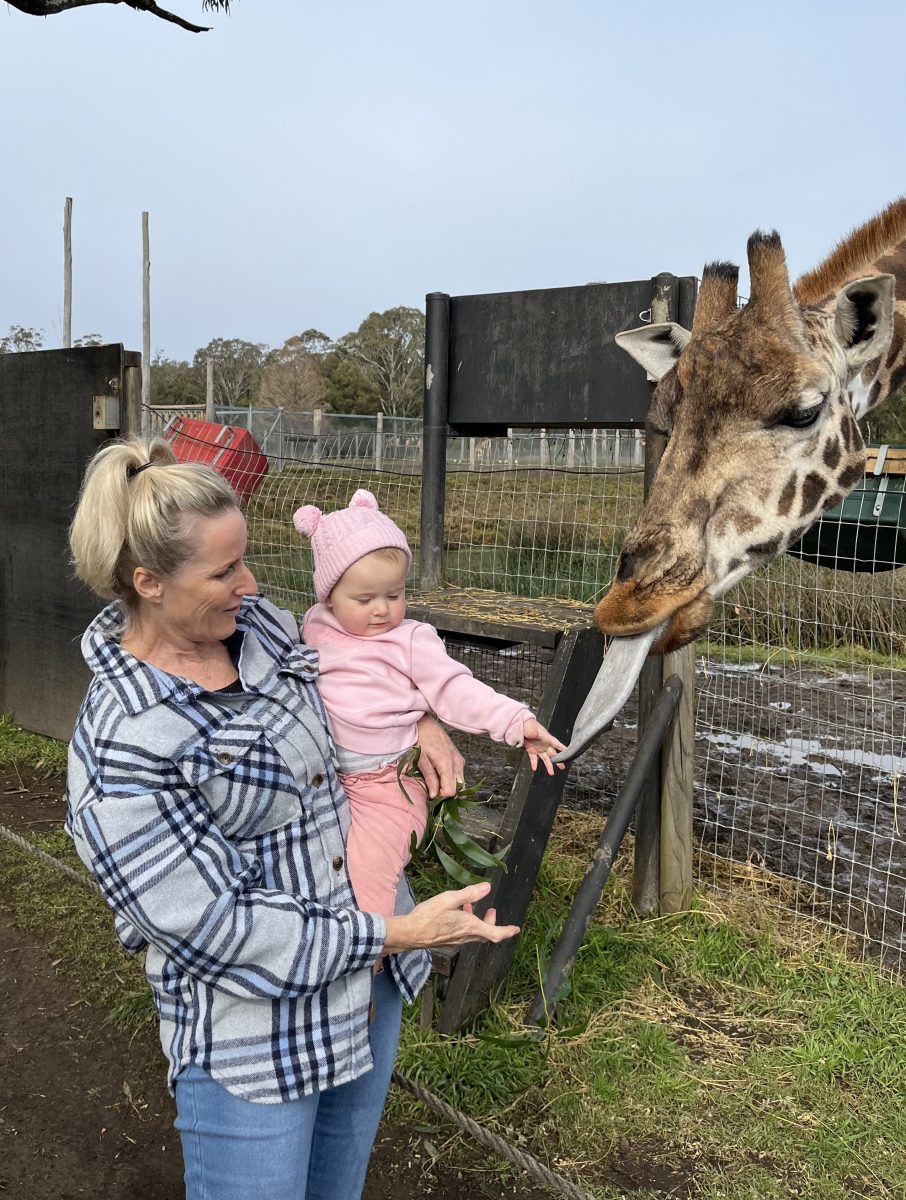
(377, 368)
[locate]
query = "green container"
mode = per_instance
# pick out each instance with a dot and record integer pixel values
(867, 532)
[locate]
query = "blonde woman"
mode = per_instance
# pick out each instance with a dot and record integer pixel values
(203, 797)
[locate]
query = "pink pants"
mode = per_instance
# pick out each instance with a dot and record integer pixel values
(382, 823)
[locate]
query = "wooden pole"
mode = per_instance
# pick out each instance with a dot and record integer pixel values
(677, 753)
(647, 856)
(209, 391)
(379, 442)
(67, 273)
(146, 328)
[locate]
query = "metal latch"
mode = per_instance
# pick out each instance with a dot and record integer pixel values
(106, 412)
(879, 501)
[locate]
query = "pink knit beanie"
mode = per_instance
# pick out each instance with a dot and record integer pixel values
(343, 537)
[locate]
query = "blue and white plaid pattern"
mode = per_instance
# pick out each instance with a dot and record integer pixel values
(215, 826)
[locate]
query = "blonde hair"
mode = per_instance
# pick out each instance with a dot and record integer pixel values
(135, 509)
(393, 554)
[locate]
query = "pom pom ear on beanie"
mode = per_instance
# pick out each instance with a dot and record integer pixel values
(341, 538)
(306, 519)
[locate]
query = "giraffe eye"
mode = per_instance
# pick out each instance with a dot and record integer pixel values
(803, 417)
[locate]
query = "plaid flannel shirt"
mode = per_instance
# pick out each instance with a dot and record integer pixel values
(215, 826)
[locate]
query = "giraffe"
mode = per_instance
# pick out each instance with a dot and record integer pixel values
(759, 405)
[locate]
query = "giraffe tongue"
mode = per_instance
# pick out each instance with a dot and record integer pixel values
(611, 689)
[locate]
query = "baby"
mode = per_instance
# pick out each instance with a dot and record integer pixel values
(379, 674)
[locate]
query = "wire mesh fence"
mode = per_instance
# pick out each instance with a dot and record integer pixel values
(801, 684)
(376, 441)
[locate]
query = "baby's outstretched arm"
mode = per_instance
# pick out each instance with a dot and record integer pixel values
(539, 744)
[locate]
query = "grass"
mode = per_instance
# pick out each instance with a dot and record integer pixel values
(733, 1052)
(30, 749)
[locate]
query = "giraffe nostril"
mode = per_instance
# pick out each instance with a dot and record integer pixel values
(625, 567)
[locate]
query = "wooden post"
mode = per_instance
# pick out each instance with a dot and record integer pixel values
(594, 449)
(571, 449)
(281, 437)
(434, 440)
(509, 448)
(637, 458)
(678, 749)
(527, 822)
(316, 433)
(617, 447)
(646, 889)
(209, 390)
(544, 450)
(67, 273)
(146, 328)
(471, 454)
(379, 442)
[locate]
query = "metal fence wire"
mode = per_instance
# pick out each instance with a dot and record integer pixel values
(800, 741)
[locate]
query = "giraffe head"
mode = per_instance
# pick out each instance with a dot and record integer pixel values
(759, 406)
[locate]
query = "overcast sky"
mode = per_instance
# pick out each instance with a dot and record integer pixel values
(307, 163)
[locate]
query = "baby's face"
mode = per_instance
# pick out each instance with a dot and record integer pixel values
(370, 597)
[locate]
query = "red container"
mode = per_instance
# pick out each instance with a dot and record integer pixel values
(231, 451)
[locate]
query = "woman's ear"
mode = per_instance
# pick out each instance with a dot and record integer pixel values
(147, 585)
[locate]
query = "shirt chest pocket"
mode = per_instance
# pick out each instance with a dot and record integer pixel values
(245, 782)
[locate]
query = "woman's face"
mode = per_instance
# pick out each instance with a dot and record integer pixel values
(200, 602)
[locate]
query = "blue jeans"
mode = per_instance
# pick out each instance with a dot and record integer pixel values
(313, 1148)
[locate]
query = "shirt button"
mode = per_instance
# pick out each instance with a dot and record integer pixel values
(317, 780)
(224, 758)
(338, 862)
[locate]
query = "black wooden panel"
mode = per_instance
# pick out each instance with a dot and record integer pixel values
(48, 437)
(548, 358)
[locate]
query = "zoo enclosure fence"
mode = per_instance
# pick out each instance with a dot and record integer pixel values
(800, 732)
(378, 441)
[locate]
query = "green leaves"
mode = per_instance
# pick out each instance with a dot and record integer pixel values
(445, 838)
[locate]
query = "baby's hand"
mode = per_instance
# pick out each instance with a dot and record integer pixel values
(538, 743)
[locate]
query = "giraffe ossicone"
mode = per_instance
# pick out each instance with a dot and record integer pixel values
(759, 405)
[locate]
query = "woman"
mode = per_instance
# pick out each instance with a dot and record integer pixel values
(203, 795)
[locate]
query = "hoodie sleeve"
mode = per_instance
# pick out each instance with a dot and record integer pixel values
(457, 697)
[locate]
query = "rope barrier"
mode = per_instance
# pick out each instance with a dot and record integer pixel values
(520, 1158)
(531, 1165)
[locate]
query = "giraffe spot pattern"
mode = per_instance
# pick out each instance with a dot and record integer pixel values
(832, 453)
(851, 475)
(812, 490)
(787, 496)
(768, 548)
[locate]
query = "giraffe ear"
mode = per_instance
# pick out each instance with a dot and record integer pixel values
(863, 321)
(655, 347)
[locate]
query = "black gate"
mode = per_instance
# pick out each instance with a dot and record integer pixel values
(50, 403)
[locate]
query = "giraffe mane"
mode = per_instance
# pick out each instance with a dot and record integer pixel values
(853, 255)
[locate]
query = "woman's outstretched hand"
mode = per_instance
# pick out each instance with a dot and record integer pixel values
(446, 920)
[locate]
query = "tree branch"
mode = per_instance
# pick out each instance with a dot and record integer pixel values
(49, 8)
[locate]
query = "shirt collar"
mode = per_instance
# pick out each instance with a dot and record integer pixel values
(139, 686)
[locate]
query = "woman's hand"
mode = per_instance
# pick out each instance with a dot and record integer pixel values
(440, 762)
(446, 920)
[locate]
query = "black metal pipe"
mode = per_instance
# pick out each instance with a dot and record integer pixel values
(434, 439)
(589, 893)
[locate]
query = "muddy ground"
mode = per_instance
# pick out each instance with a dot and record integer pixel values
(797, 768)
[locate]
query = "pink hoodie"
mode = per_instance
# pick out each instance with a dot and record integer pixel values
(376, 688)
